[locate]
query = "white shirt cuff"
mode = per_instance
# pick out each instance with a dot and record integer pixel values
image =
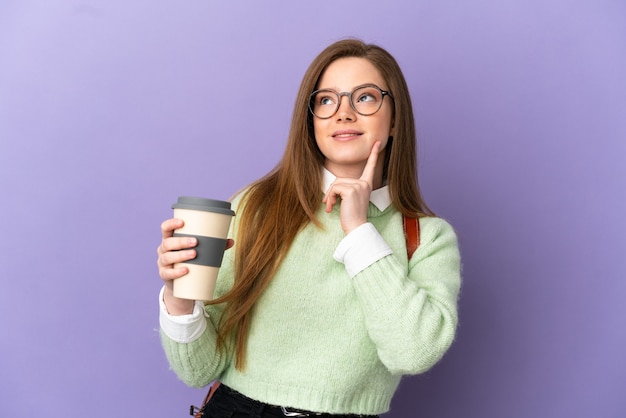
(182, 328)
(361, 248)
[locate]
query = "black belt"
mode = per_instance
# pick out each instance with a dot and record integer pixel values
(282, 410)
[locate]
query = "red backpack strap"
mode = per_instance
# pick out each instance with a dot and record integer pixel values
(412, 234)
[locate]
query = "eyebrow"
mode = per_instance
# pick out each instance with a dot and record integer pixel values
(353, 88)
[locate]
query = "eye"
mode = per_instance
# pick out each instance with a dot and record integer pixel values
(366, 95)
(325, 99)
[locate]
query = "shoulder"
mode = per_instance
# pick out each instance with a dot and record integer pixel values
(438, 252)
(436, 231)
(237, 199)
(434, 223)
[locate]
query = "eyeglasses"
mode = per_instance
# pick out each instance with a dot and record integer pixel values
(365, 100)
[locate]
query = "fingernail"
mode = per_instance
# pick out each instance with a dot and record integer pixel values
(192, 241)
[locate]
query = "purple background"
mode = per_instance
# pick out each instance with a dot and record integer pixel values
(111, 109)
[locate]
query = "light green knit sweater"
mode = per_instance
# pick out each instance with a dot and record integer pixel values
(322, 341)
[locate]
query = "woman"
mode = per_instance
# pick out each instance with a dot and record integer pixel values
(319, 309)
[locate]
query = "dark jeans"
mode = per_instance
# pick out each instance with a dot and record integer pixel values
(227, 403)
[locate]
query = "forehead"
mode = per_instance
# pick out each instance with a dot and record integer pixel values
(344, 74)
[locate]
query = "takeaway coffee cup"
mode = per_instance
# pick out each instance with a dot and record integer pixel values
(208, 221)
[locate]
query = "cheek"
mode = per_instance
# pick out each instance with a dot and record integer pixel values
(390, 124)
(385, 128)
(318, 130)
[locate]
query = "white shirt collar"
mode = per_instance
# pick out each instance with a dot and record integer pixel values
(379, 197)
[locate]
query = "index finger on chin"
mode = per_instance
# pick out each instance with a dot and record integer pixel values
(370, 166)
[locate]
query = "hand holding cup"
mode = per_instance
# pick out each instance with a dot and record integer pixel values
(192, 247)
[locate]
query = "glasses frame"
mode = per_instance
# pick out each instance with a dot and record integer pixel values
(349, 94)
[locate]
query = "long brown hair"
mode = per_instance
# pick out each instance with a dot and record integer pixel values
(265, 233)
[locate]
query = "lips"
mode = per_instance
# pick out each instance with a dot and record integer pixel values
(346, 134)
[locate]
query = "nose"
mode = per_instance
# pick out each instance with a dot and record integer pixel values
(345, 110)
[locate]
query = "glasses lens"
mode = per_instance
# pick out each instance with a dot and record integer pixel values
(324, 103)
(367, 100)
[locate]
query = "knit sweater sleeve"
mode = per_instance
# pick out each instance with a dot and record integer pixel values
(411, 313)
(199, 362)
